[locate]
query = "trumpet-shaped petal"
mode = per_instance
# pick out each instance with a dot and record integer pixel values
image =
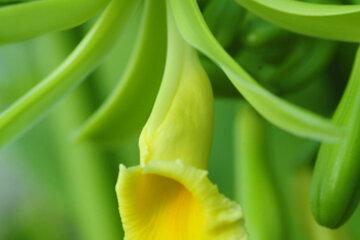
(166, 200)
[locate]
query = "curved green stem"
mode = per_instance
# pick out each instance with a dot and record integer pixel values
(279, 112)
(337, 22)
(84, 59)
(139, 85)
(27, 20)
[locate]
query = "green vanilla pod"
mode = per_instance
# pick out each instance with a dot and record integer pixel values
(256, 187)
(335, 185)
(320, 19)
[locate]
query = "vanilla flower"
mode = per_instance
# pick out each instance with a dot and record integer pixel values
(169, 196)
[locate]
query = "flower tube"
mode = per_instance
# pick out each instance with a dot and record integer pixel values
(169, 196)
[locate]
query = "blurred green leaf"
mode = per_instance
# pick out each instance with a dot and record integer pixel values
(337, 22)
(84, 59)
(259, 194)
(26, 20)
(335, 191)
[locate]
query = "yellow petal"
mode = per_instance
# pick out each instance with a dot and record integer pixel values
(169, 200)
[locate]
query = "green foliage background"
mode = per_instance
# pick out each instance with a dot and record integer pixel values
(54, 188)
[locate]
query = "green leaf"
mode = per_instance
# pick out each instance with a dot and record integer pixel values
(279, 112)
(335, 191)
(337, 22)
(84, 59)
(27, 20)
(125, 112)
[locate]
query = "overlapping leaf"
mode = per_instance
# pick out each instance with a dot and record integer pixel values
(94, 47)
(279, 112)
(337, 22)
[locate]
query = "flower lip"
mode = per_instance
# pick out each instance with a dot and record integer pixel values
(173, 200)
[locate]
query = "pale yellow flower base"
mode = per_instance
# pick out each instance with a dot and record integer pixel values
(168, 200)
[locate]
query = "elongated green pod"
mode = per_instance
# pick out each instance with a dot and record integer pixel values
(125, 112)
(84, 59)
(279, 112)
(27, 20)
(336, 182)
(300, 191)
(336, 22)
(258, 194)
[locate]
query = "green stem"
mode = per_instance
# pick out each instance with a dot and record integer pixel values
(313, 19)
(84, 59)
(27, 20)
(134, 91)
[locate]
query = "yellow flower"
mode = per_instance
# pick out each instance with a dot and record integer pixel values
(169, 196)
(170, 200)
